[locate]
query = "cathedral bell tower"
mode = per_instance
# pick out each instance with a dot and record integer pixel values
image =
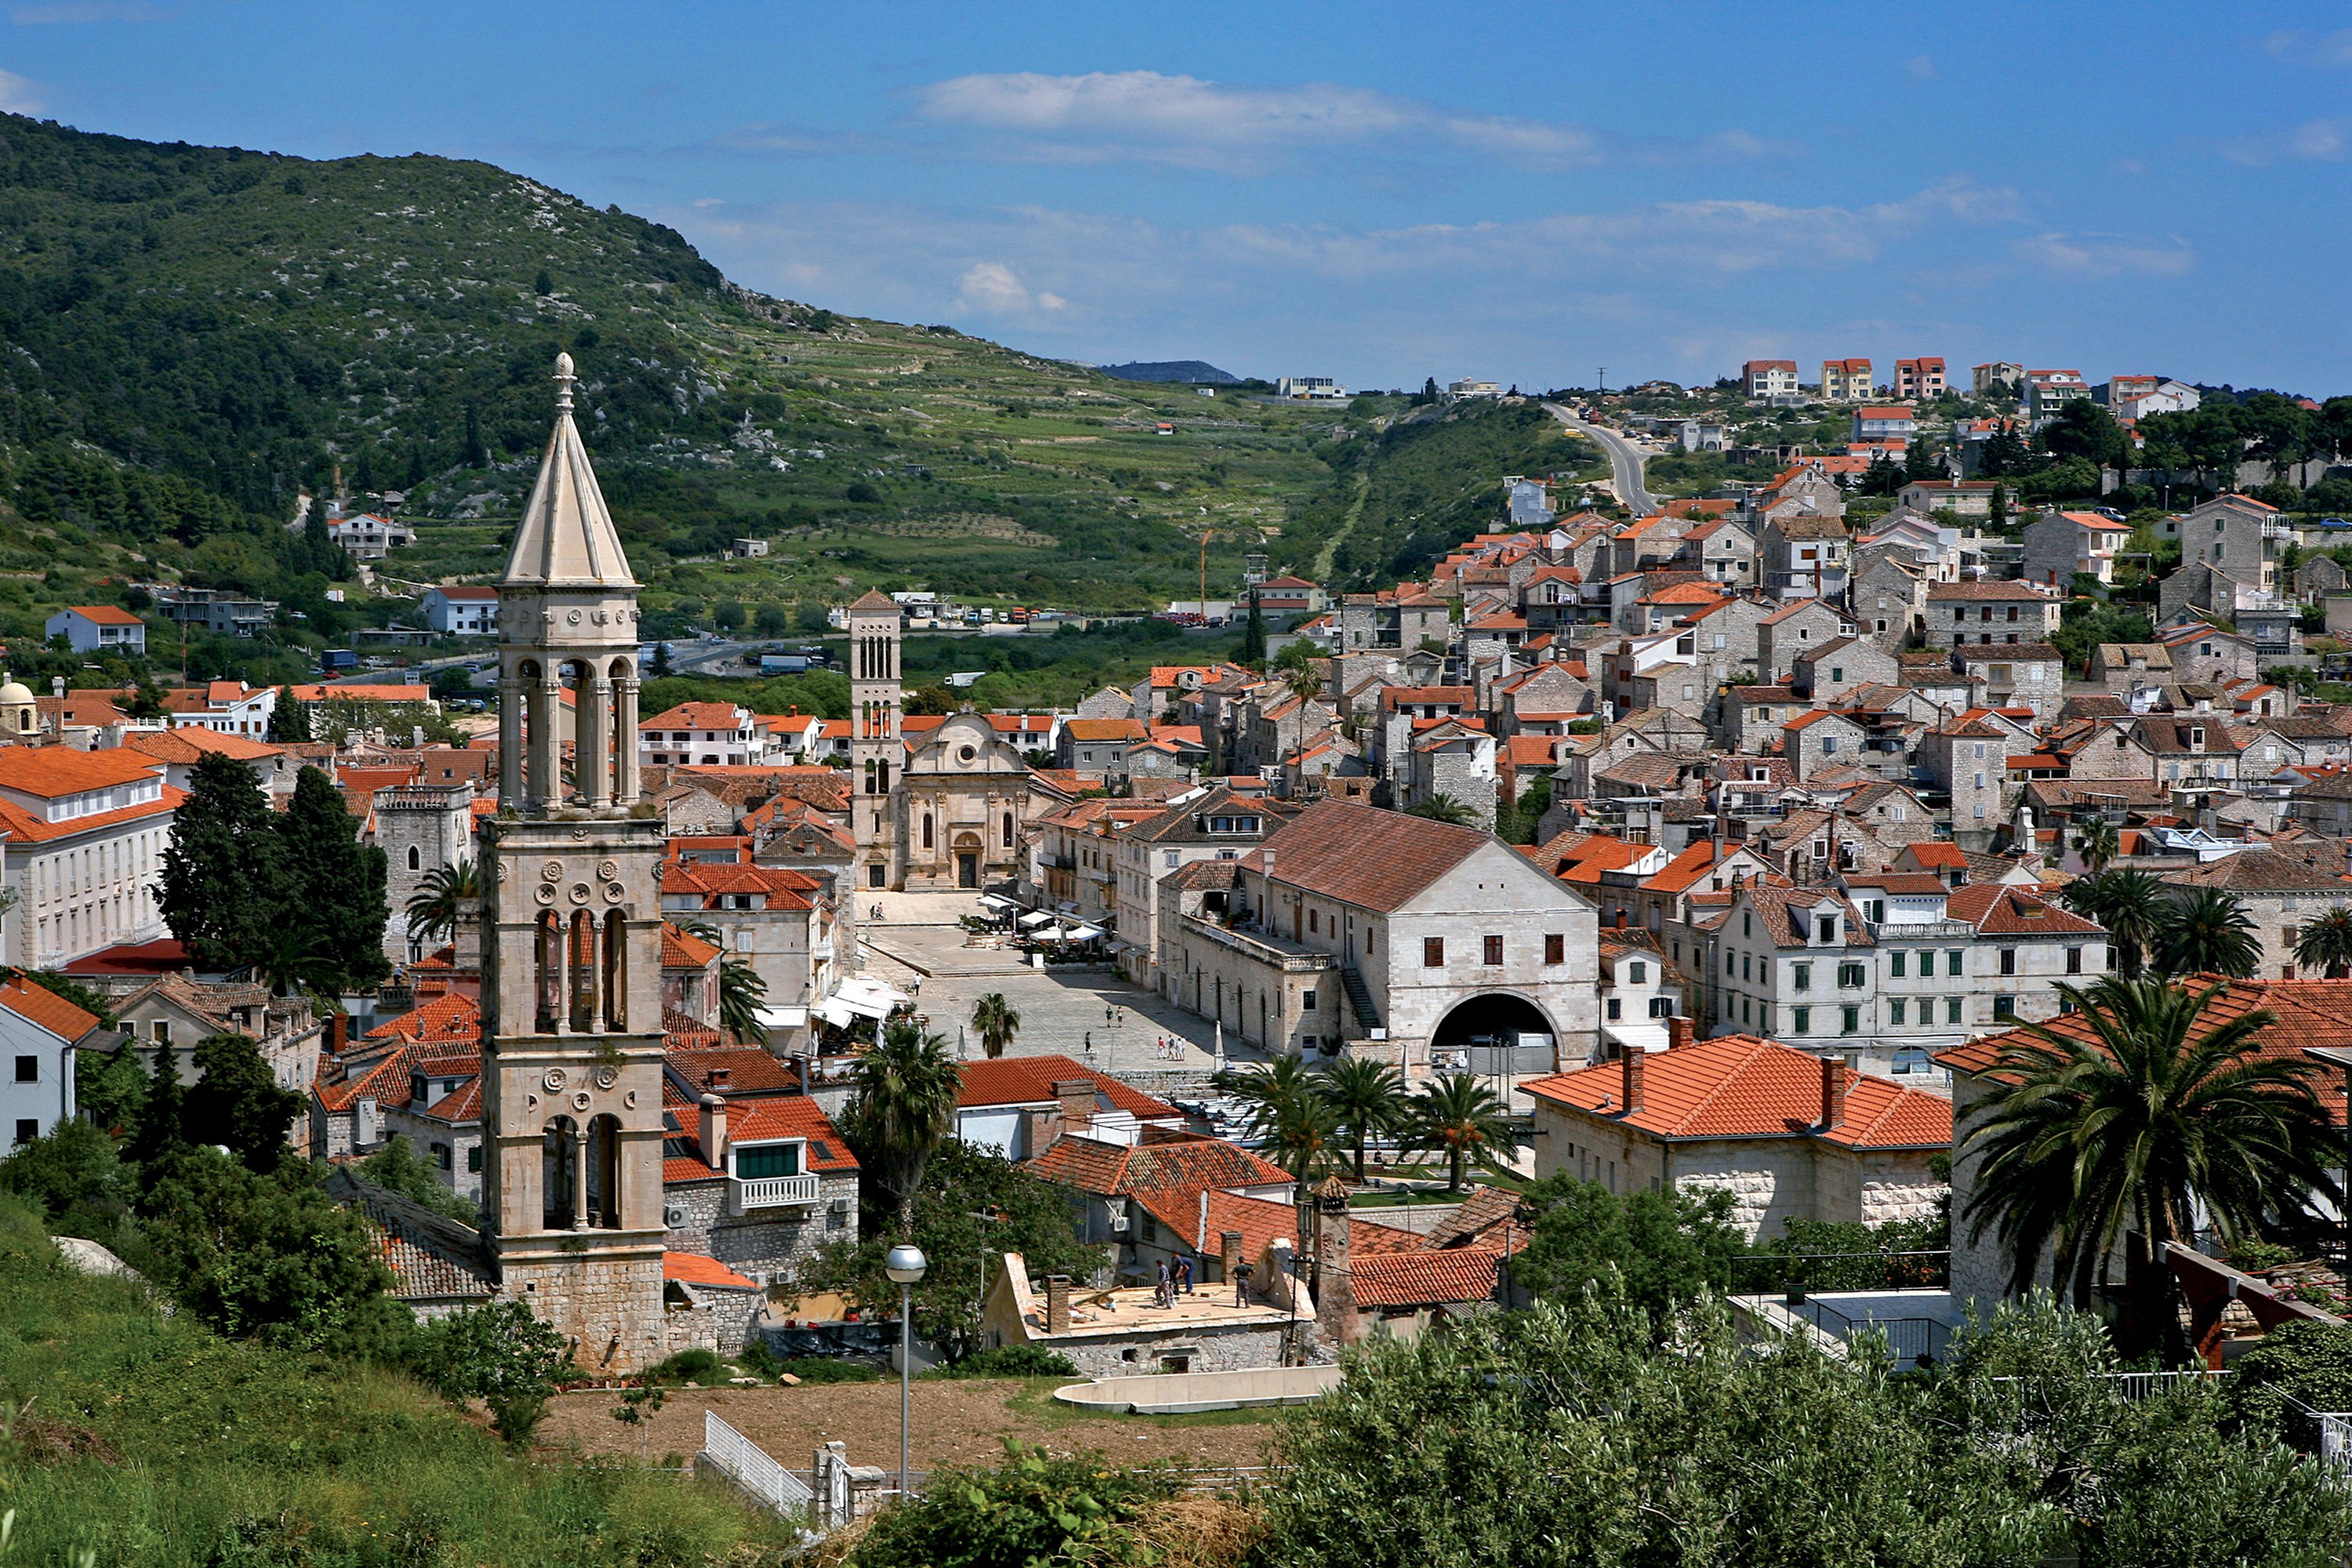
(571, 1036)
(876, 752)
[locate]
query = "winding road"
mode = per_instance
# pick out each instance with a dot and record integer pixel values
(1625, 460)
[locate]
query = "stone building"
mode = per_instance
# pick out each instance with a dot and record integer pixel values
(758, 1184)
(1983, 611)
(422, 829)
(2280, 892)
(1394, 934)
(1790, 1135)
(962, 801)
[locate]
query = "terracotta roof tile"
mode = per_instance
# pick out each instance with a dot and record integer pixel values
(1425, 1278)
(1029, 1081)
(1739, 1086)
(38, 1005)
(694, 1269)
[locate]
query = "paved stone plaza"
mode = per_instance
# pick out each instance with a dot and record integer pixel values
(918, 946)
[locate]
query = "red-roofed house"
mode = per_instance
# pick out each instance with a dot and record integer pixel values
(758, 1184)
(1018, 1106)
(99, 628)
(1789, 1134)
(776, 919)
(84, 838)
(38, 1031)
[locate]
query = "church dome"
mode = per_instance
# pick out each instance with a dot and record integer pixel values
(15, 694)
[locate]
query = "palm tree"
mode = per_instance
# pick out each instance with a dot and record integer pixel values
(1443, 808)
(293, 957)
(900, 1110)
(1288, 1116)
(2131, 905)
(741, 995)
(441, 899)
(2137, 1115)
(1305, 681)
(1369, 1099)
(1459, 1117)
(2326, 943)
(2098, 844)
(997, 1022)
(2209, 932)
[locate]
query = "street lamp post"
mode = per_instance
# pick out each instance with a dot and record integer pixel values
(905, 1263)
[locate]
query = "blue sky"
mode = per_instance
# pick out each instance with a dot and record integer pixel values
(1521, 192)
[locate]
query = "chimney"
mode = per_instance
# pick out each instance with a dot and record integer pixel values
(1334, 1285)
(1832, 1092)
(1058, 1303)
(58, 686)
(1228, 1253)
(713, 1131)
(339, 1032)
(1077, 1097)
(1631, 1063)
(1678, 1032)
(718, 1077)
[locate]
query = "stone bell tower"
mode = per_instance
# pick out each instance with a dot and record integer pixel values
(571, 1038)
(876, 754)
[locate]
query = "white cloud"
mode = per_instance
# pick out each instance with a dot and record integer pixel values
(2320, 139)
(1186, 121)
(2318, 49)
(994, 288)
(2107, 254)
(19, 96)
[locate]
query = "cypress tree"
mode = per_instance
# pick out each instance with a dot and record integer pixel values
(336, 884)
(159, 1130)
(1254, 634)
(224, 883)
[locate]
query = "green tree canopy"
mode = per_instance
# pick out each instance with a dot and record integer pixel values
(224, 881)
(235, 1102)
(1661, 1250)
(338, 882)
(896, 1119)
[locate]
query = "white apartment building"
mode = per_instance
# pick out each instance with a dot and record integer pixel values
(1893, 967)
(706, 734)
(230, 707)
(84, 850)
(462, 611)
(38, 1033)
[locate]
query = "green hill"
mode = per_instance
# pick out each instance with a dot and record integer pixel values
(191, 338)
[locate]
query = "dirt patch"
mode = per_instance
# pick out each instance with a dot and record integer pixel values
(955, 1423)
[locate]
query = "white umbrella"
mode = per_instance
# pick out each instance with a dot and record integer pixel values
(1221, 1045)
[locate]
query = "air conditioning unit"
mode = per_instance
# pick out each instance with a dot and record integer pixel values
(839, 1206)
(1119, 1224)
(673, 1215)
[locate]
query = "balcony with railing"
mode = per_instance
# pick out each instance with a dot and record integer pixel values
(773, 1192)
(1254, 942)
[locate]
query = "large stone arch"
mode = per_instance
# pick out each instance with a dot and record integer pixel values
(1481, 1026)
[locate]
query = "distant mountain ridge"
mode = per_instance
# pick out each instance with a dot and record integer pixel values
(1191, 372)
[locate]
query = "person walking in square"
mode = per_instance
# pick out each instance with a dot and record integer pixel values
(1184, 1275)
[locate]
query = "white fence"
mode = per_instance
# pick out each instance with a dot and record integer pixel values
(751, 1467)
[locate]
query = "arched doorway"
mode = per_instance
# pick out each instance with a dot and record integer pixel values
(968, 849)
(1494, 1032)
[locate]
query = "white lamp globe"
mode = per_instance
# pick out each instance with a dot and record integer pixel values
(905, 1263)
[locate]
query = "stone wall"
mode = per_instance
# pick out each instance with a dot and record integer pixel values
(766, 1245)
(1217, 1350)
(607, 1306)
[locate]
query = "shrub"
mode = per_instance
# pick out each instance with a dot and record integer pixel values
(1031, 1509)
(501, 1355)
(831, 1369)
(696, 1365)
(2308, 1362)
(1009, 1360)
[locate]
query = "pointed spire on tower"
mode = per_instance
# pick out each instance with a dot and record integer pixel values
(566, 539)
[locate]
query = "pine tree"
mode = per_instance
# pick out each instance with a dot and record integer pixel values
(224, 881)
(338, 883)
(318, 543)
(660, 665)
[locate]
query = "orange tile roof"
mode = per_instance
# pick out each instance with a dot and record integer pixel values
(693, 1269)
(22, 826)
(1996, 910)
(189, 743)
(1185, 1163)
(1364, 856)
(695, 716)
(792, 1116)
(1741, 1086)
(106, 615)
(1425, 1278)
(52, 771)
(38, 1005)
(1029, 1081)
(684, 950)
(2305, 1013)
(1261, 1221)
